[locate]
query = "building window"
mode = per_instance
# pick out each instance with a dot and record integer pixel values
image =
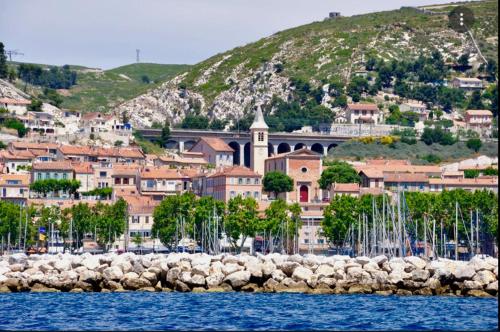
(256, 195)
(240, 180)
(256, 181)
(261, 137)
(117, 181)
(39, 176)
(56, 176)
(248, 180)
(102, 174)
(306, 241)
(150, 183)
(304, 169)
(147, 219)
(125, 180)
(232, 194)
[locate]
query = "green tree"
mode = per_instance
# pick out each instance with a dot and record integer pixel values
(463, 60)
(475, 101)
(35, 106)
(338, 172)
(110, 221)
(339, 215)
(277, 182)
(241, 221)
(370, 63)
(474, 144)
(165, 134)
(173, 212)
(52, 96)
(3, 62)
(217, 124)
(10, 215)
(281, 223)
(137, 240)
(490, 171)
(207, 209)
(195, 121)
(471, 173)
(17, 125)
(145, 79)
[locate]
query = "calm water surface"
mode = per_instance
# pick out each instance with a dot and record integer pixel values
(237, 311)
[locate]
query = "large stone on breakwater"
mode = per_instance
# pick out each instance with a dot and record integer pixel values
(238, 279)
(271, 273)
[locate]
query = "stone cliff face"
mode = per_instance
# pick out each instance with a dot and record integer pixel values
(7, 90)
(227, 85)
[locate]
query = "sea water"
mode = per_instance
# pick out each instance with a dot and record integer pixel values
(243, 311)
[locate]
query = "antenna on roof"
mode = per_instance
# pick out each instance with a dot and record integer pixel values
(137, 52)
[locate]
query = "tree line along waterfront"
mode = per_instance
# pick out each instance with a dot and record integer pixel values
(425, 216)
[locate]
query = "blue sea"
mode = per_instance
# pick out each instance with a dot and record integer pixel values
(242, 311)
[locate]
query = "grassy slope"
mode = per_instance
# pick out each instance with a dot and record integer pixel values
(354, 150)
(105, 90)
(344, 42)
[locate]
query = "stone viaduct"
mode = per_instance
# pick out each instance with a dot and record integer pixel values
(184, 139)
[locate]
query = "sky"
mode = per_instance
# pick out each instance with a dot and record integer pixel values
(106, 33)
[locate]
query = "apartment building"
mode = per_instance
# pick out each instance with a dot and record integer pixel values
(214, 150)
(14, 187)
(158, 182)
(228, 182)
(304, 167)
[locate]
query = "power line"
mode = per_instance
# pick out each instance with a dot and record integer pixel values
(10, 53)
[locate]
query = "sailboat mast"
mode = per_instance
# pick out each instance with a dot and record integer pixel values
(478, 245)
(456, 230)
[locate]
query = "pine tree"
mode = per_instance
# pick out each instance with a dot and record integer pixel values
(4, 72)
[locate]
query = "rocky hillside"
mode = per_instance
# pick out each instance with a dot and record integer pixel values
(229, 84)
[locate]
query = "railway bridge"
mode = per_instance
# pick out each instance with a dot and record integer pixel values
(279, 142)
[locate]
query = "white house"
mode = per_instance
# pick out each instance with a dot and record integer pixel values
(15, 106)
(363, 113)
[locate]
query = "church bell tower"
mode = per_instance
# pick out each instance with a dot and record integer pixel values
(259, 139)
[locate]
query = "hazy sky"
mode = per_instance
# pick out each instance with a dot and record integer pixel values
(106, 33)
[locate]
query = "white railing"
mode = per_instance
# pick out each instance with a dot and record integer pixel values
(353, 130)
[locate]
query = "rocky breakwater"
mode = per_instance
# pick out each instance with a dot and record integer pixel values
(270, 273)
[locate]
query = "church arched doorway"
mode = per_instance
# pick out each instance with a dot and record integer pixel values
(304, 194)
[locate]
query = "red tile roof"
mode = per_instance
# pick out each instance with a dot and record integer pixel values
(101, 152)
(95, 115)
(83, 168)
(24, 179)
(216, 144)
(363, 107)
(53, 165)
(14, 101)
(161, 173)
(21, 145)
(406, 177)
(479, 112)
(346, 187)
(234, 171)
(490, 181)
(16, 155)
